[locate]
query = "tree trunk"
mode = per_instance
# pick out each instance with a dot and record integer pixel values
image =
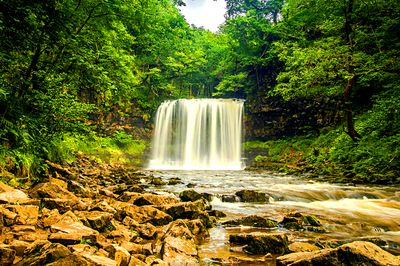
(351, 131)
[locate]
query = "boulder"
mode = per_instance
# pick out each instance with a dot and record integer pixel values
(229, 198)
(7, 255)
(157, 181)
(119, 254)
(302, 247)
(69, 233)
(97, 220)
(143, 214)
(99, 260)
(7, 217)
(136, 262)
(19, 246)
(252, 220)
(355, 253)
(5, 187)
(71, 260)
(190, 195)
(140, 199)
(26, 214)
(51, 190)
(298, 221)
(42, 252)
(64, 205)
(252, 196)
(261, 243)
(179, 252)
(16, 197)
(174, 181)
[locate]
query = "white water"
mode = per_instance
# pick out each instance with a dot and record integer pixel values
(198, 134)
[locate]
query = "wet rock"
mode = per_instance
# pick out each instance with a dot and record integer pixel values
(174, 181)
(7, 255)
(26, 214)
(179, 252)
(118, 189)
(355, 253)
(229, 198)
(252, 220)
(157, 181)
(190, 195)
(261, 243)
(44, 252)
(298, 221)
(252, 196)
(302, 247)
(216, 213)
(190, 210)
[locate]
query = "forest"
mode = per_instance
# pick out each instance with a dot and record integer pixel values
(320, 79)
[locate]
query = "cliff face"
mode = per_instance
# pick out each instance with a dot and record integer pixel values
(274, 117)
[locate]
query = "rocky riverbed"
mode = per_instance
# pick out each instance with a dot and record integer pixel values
(91, 214)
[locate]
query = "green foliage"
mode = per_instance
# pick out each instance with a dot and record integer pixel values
(118, 148)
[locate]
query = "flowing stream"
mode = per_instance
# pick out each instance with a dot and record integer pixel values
(347, 212)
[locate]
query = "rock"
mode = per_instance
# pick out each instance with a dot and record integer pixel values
(355, 253)
(139, 199)
(43, 252)
(72, 233)
(64, 205)
(50, 217)
(19, 246)
(7, 255)
(102, 206)
(261, 243)
(302, 247)
(190, 195)
(157, 181)
(26, 214)
(5, 188)
(107, 193)
(298, 221)
(216, 213)
(252, 220)
(99, 260)
(16, 197)
(97, 220)
(229, 198)
(29, 236)
(143, 214)
(82, 249)
(51, 190)
(71, 260)
(78, 189)
(179, 252)
(8, 217)
(119, 254)
(252, 196)
(118, 189)
(136, 262)
(174, 181)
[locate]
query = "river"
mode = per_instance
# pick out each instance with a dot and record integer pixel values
(347, 212)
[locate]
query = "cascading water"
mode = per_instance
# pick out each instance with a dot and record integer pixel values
(198, 134)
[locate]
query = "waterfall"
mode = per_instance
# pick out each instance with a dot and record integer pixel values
(198, 134)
